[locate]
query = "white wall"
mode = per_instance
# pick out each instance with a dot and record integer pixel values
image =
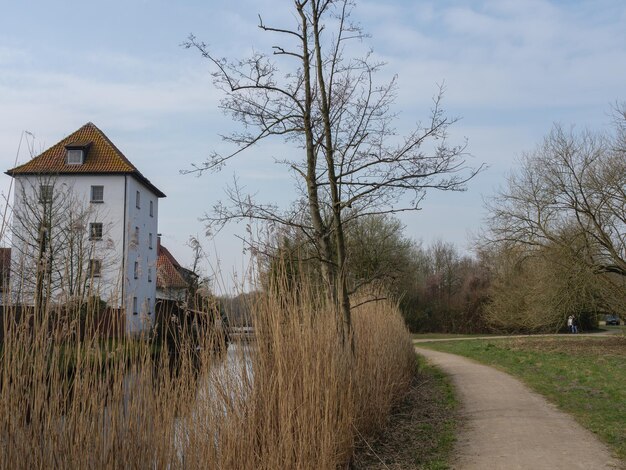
(140, 251)
(119, 248)
(110, 213)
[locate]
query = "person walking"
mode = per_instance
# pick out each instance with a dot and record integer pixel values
(570, 323)
(574, 325)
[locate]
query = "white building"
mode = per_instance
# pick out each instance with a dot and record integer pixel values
(87, 218)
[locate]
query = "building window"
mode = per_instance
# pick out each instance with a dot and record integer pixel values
(45, 193)
(136, 236)
(95, 267)
(97, 194)
(136, 270)
(138, 200)
(95, 231)
(43, 229)
(149, 274)
(74, 156)
(150, 240)
(135, 310)
(151, 209)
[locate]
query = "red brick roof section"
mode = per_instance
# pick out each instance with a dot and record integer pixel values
(102, 156)
(168, 276)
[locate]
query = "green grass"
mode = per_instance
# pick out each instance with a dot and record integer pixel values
(585, 377)
(441, 431)
(445, 335)
(614, 329)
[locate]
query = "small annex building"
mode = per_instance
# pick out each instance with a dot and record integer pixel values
(174, 282)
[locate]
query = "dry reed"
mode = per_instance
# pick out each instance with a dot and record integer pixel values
(295, 397)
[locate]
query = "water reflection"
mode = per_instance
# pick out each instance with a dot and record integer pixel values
(232, 376)
(221, 394)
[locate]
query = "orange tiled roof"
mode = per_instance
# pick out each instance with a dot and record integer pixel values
(102, 156)
(168, 274)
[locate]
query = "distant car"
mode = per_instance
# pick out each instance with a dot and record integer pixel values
(611, 320)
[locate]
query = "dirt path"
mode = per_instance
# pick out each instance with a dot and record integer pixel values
(510, 427)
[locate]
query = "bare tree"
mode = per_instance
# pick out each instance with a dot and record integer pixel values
(571, 193)
(328, 104)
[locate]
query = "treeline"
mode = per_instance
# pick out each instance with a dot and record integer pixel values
(501, 287)
(450, 292)
(438, 288)
(554, 246)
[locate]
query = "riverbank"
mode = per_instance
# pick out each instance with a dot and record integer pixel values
(299, 396)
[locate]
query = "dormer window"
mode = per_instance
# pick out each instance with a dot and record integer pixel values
(75, 156)
(76, 152)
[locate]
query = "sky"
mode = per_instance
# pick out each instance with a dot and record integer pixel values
(511, 69)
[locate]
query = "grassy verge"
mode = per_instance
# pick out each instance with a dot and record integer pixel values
(421, 430)
(584, 376)
(619, 329)
(446, 335)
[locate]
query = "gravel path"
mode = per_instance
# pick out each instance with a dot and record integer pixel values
(507, 426)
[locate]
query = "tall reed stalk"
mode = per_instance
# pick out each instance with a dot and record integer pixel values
(297, 396)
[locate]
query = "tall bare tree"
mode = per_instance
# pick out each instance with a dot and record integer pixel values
(326, 102)
(570, 192)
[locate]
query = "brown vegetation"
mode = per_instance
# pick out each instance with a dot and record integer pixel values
(294, 398)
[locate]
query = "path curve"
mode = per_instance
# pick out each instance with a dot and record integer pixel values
(508, 426)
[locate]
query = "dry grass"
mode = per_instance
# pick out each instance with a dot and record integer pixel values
(297, 397)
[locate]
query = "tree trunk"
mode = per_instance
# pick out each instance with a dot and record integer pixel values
(321, 235)
(340, 244)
